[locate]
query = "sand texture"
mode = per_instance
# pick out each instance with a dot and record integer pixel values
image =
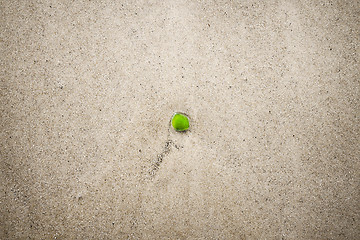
(88, 88)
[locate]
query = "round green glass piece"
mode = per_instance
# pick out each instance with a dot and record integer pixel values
(180, 122)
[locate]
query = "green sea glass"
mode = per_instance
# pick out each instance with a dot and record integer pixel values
(180, 122)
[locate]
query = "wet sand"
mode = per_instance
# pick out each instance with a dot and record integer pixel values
(88, 89)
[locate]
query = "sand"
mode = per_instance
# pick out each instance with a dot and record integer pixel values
(88, 89)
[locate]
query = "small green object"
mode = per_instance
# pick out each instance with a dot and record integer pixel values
(180, 122)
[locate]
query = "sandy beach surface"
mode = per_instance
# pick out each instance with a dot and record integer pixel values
(88, 89)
